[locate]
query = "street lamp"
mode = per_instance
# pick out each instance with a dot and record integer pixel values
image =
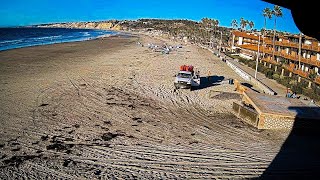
(255, 74)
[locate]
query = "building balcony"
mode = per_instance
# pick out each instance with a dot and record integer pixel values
(294, 45)
(294, 57)
(311, 47)
(317, 80)
(288, 67)
(269, 60)
(299, 72)
(289, 56)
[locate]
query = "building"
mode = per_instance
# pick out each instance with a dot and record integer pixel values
(303, 61)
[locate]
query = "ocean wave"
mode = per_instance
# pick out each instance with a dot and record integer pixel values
(11, 41)
(65, 36)
(85, 33)
(47, 37)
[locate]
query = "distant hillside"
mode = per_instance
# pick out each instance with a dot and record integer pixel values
(108, 25)
(187, 29)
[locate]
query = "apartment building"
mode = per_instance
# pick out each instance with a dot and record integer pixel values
(285, 55)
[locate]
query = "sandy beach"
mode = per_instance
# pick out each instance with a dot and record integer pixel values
(107, 108)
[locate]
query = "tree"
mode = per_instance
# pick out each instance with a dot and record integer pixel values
(251, 25)
(267, 14)
(243, 23)
(215, 24)
(234, 23)
(247, 23)
(276, 12)
(206, 23)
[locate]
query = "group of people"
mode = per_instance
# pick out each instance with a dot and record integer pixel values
(291, 94)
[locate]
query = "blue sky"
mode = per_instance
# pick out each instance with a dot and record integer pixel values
(29, 12)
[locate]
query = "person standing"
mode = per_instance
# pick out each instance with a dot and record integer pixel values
(288, 94)
(209, 76)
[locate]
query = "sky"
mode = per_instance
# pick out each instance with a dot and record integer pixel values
(31, 12)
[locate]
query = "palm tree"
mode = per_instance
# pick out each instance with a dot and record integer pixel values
(251, 25)
(267, 14)
(247, 23)
(276, 12)
(243, 23)
(234, 23)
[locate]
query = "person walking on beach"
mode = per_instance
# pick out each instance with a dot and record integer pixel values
(209, 76)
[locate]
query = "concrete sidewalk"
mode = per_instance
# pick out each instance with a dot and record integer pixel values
(271, 83)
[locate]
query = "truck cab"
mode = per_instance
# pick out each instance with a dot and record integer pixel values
(186, 80)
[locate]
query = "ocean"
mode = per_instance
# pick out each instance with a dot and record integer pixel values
(11, 38)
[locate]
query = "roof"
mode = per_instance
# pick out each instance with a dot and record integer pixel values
(246, 35)
(282, 106)
(185, 72)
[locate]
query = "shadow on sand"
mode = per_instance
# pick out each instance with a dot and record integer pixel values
(299, 156)
(209, 81)
(249, 86)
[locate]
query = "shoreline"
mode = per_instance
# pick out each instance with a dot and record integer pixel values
(114, 34)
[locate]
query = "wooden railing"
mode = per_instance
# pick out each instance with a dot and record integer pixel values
(294, 45)
(312, 61)
(269, 60)
(301, 73)
(296, 71)
(287, 67)
(317, 80)
(311, 47)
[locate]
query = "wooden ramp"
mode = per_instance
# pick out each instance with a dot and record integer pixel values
(273, 112)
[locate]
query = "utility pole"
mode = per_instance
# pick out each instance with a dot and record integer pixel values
(255, 74)
(299, 53)
(220, 43)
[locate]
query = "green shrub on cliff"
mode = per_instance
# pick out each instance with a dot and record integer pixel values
(269, 74)
(275, 76)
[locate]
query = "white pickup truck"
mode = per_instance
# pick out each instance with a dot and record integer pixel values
(186, 80)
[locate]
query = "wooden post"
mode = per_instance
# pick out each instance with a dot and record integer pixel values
(309, 85)
(282, 72)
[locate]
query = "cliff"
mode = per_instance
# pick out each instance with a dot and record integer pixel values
(86, 25)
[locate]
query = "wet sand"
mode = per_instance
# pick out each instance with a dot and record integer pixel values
(107, 108)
